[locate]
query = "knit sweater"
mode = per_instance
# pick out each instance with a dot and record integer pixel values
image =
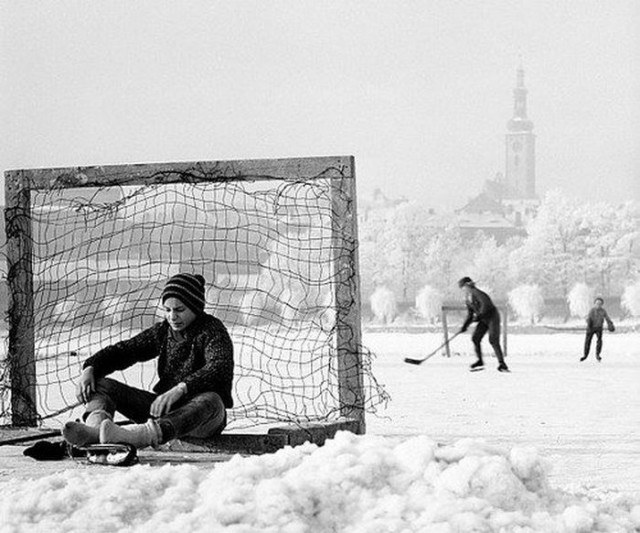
(203, 359)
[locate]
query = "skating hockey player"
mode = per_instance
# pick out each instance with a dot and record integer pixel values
(480, 309)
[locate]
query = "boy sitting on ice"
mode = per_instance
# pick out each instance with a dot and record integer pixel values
(195, 370)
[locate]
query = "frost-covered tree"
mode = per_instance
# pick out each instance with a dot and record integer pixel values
(392, 244)
(631, 299)
(580, 300)
(429, 303)
(413, 235)
(608, 231)
(567, 241)
(445, 260)
(551, 256)
(572, 240)
(629, 248)
(410, 235)
(380, 262)
(489, 263)
(384, 305)
(527, 302)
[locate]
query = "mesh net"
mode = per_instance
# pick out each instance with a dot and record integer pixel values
(268, 250)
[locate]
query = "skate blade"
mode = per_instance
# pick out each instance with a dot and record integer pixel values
(477, 369)
(111, 454)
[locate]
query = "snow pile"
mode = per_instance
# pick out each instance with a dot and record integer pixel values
(352, 483)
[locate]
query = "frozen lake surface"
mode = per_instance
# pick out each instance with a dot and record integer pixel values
(583, 417)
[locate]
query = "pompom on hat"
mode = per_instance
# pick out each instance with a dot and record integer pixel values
(465, 281)
(188, 288)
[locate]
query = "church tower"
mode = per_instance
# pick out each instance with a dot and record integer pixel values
(520, 175)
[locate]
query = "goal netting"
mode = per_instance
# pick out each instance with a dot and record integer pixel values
(90, 250)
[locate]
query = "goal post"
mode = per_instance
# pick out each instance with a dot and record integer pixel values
(347, 297)
(88, 249)
(21, 343)
(447, 309)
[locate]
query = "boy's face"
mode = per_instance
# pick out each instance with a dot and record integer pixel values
(177, 314)
(598, 303)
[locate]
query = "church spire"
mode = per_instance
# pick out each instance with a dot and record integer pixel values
(519, 121)
(520, 175)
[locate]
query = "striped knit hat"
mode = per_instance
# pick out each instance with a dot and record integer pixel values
(188, 288)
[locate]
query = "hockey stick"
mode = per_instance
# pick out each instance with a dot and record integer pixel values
(420, 361)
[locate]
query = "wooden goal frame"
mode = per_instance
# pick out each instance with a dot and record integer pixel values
(340, 169)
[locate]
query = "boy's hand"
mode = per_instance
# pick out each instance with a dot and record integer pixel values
(86, 385)
(163, 403)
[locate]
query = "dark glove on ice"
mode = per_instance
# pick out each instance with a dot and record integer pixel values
(47, 451)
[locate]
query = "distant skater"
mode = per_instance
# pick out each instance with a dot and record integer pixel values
(480, 309)
(595, 322)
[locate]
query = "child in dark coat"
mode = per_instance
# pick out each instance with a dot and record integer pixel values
(595, 323)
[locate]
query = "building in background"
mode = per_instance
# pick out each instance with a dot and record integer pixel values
(509, 201)
(520, 149)
(506, 203)
(377, 205)
(519, 197)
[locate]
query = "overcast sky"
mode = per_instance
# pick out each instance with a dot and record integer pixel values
(418, 91)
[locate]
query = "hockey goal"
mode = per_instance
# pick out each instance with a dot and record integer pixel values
(88, 250)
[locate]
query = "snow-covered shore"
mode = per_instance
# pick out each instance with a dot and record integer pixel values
(352, 483)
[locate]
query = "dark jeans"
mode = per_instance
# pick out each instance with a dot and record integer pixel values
(492, 325)
(587, 341)
(201, 416)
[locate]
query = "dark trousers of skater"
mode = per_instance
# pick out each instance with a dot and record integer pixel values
(492, 326)
(597, 332)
